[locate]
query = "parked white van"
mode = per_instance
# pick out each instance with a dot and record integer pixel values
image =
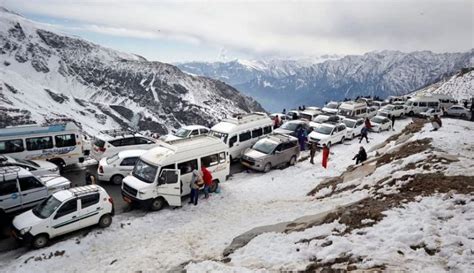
(310, 114)
(416, 105)
(59, 143)
(242, 132)
(163, 174)
(353, 109)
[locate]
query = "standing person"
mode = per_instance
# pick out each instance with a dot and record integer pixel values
(302, 137)
(294, 116)
(393, 122)
(90, 178)
(465, 104)
(436, 122)
(361, 156)
(325, 156)
(284, 111)
(276, 122)
(363, 134)
(207, 177)
(196, 181)
(472, 109)
(368, 124)
(312, 151)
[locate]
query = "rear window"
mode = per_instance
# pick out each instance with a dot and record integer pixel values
(89, 200)
(99, 143)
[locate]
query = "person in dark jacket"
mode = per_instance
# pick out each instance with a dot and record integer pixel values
(294, 116)
(363, 134)
(361, 156)
(393, 122)
(302, 137)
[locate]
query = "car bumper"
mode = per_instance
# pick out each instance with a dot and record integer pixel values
(132, 200)
(25, 238)
(103, 177)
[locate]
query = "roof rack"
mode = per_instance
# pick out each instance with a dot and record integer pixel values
(5, 170)
(118, 132)
(84, 189)
(248, 117)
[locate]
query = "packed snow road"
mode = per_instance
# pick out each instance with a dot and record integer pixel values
(169, 238)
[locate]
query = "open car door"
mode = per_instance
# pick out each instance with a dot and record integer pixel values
(169, 186)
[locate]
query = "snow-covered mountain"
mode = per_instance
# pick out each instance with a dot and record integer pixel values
(460, 86)
(382, 73)
(48, 74)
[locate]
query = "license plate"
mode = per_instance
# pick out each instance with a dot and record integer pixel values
(126, 199)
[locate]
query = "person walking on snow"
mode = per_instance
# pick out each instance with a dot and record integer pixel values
(363, 134)
(207, 177)
(393, 122)
(361, 156)
(312, 151)
(276, 122)
(196, 182)
(326, 152)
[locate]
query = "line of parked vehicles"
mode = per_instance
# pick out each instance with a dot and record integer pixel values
(153, 172)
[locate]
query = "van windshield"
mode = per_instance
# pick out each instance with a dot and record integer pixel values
(46, 208)
(221, 136)
(99, 143)
(144, 171)
(345, 112)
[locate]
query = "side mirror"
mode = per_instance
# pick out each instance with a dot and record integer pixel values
(161, 180)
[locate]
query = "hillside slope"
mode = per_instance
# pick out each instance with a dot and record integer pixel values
(46, 74)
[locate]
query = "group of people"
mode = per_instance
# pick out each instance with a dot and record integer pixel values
(201, 180)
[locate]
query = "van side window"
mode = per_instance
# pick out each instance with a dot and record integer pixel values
(68, 207)
(415, 104)
(129, 161)
(432, 104)
(89, 200)
(65, 140)
(267, 130)
(11, 146)
(29, 182)
(232, 140)
(195, 132)
(222, 157)
(168, 167)
(244, 136)
(422, 104)
(8, 187)
(257, 132)
(210, 160)
(188, 166)
(39, 143)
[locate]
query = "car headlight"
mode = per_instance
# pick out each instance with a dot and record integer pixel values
(141, 192)
(55, 169)
(25, 230)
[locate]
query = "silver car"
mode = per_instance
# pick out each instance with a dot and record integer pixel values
(271, 151)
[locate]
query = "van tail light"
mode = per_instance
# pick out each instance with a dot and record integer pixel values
(102, 149)
(101, 169)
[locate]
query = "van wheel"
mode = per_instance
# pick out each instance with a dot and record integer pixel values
(157, 204)
(59, 162)
(267, 168)
(329, 144)
(105, 221)
(214, 186)
(40, 241)
(342, 140)
(292, 161)
(116, 179)
(353, 136)
(411, 113)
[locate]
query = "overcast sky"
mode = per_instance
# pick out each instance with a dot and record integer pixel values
(174, 31)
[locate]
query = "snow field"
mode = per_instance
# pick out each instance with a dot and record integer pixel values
(163, 240)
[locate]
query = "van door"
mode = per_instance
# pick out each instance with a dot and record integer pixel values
(65, 219)
(10, 197)
(169, 186)
(32, 191)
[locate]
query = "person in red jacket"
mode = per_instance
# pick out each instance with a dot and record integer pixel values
(326, 152)
(207, 177)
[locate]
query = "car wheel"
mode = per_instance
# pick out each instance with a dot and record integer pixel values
(40, 241)
(116, 179)
(214, 186)
(157, 204)
(105, 221)
(292, 161)
(411, 113)
(353, 136)
(342, 140)
(463, 115)
(267, 168)
(329, 144)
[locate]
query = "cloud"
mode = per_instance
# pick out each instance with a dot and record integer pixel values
(266, 28)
